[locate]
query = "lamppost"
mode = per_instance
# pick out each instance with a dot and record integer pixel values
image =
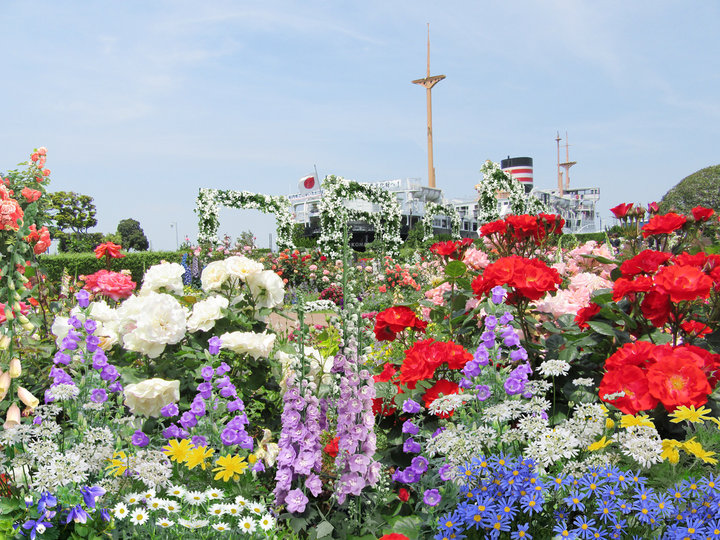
(177, 241)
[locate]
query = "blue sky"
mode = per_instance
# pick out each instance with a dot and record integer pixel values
(140, 103)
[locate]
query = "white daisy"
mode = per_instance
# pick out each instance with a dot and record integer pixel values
(175, 491)
(155, 504)
(247, 525)
(232, 509)
(170, 506)
(139, 516)
(217, 509)
(222, 527)
(149, 494)
(241, 501)
(256, 508)
(120, 510)
(195, 497)
(164, 523)
(214, 494)
(267, 522)
(132, 498)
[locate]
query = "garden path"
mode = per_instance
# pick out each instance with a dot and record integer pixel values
(282, 322)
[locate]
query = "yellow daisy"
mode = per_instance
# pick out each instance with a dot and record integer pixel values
(230, 467)
(629, 420)
(690, 414)
(178, 450)
(118, 464)
(602, 443)
(695, 448)
(670, 450)
(197, 456)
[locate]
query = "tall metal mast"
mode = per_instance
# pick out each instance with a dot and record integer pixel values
(428, 82)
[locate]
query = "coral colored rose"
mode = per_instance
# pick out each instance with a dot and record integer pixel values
(663, 224)
(10, 215)
(534, 279)
(675, 382)
(621, 210)
(115, 285)
(632, 382)
(683, 283)
(585, 314)
(31, 195)
(108, 249)
(700, 213)
(645, 262)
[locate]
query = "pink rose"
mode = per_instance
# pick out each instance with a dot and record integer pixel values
(114, 285)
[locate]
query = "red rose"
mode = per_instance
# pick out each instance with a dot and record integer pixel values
(676, 381)
(683, 283)
(534, 279)
(656, 308)
(331, 448)
(623, 287)
(645, 262)
(550, 224)
(421, 361)
(444, 249)
(695, 328)
(664, 224)
(698, 260)
(585, 314)
(700, 213)
(440, 388)
(653, 208)
(493, 227)
(638, 353)
(396, 319)
(709, 363)
(632, 382)
(455, 355)
(621, 210)
(403, 495)
(523, 226)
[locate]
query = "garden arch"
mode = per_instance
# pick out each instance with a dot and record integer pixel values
(495, 180)
(209, 202)
(433, 209)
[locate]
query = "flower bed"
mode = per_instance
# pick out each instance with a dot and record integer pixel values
(513, 386)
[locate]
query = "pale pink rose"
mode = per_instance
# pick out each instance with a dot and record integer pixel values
(471, 304)
(589, 281)
(326, 272)
(312, 267)
(325, 279)
(476, 259)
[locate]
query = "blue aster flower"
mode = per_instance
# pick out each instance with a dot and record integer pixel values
(584, 527)
(574, 501)
(521, 533)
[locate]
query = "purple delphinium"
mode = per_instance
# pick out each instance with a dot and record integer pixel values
(355, 427)
(300, 450)
(296, 501)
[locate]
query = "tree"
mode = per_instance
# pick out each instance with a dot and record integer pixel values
(132, 235)
(702, 188)
(69, 217)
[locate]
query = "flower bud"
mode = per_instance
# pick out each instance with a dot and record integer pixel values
(28, 326)
(15, 369)
(27, 398)
(4, 342)
(12, 418)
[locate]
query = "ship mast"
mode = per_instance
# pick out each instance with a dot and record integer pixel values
(428, 82)
(565, 165)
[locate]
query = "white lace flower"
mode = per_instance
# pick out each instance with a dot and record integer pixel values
(554, 368)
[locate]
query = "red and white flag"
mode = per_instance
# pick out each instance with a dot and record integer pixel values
(308, 183)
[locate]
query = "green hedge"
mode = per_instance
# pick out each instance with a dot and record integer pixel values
(85, 263)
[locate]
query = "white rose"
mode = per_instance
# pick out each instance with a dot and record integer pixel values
(213, 276)
(146, 398)
(242, 267)
(256, 345)
(150, 322)
(206, 312)
(267, 289)
(166, 276)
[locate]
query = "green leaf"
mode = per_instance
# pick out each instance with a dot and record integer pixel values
(602, 328)
(324, 529)
(455, 269)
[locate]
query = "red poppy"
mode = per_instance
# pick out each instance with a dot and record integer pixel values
(621, 210)
(645, 262)
(683, 283)
(627, 388)
(441, 388)
(700, 213)
(664, 224)
(675, 382)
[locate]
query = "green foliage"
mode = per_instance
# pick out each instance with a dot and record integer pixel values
(299, 238)
(702, 188)
(132, 235)
(85, 263)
